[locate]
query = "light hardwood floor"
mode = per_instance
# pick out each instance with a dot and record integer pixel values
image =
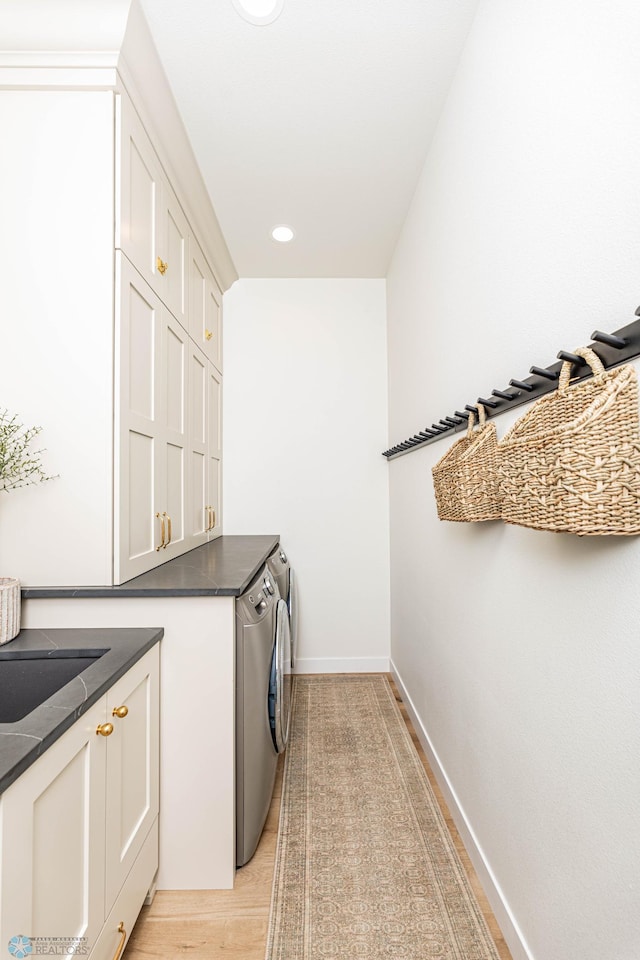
(232, 924)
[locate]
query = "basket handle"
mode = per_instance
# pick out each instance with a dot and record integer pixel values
(592, 359)
(482, 415)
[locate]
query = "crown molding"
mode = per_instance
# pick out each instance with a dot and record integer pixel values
(106, 44)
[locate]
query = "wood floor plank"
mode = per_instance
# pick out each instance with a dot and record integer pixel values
(232, 924)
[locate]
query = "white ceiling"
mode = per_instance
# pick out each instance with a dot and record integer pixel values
(320, 120)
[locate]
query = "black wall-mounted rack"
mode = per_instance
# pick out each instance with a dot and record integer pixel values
(612, 348)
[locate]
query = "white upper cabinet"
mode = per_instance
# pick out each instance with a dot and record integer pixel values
(173, 246)
(214, 451)
(113, 266)
(204, 507)
(138, 188)
(150, 428)
(205, 307)
(151, 228)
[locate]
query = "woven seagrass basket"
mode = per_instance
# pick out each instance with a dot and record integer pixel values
(571, 464)
(465, 480)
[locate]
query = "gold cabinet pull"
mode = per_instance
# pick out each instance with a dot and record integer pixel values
(162, 266)
(120, 712)
(160, 517)
(208, 334)
(123, 940)
(104, 729)
(168, 530)
(213, 519)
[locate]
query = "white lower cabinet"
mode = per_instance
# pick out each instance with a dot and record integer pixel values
(79, 828)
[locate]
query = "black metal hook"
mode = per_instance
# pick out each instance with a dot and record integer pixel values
(522, 385)
(571, 358)
(543, 372)
(492, 404)
(471, 408)
(503, 395)
(461, 413)
(610, 339)
(438, 428)
(454, 421)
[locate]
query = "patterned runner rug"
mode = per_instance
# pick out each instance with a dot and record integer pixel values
(365, 866)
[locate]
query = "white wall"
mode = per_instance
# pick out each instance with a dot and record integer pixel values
(520, 649)
(305, 408)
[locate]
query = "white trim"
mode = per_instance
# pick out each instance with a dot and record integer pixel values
(510, 929)
(62, 77)
(71, 59)
(342, 665)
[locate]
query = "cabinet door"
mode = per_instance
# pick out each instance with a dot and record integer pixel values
(214, 450)
(132, 769)
(151, 428)
(139, 487)
(173, 250)
(198, 516)
(52, 840)
(205, 306)
(139, 179)
(172, 435)
(203, 509)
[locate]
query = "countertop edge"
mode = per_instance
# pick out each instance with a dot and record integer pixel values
(222, 568)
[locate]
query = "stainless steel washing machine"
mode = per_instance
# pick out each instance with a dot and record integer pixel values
(262, 701)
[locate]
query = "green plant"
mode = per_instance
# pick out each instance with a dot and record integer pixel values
(19, 465)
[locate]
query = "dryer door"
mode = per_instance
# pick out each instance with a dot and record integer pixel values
(280, 685)
(292, 604)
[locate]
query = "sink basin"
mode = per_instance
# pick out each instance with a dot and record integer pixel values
(29, 677)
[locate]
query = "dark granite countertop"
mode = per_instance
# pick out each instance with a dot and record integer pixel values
(223, 568)
(22, 742)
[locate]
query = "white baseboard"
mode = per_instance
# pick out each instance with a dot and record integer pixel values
(342, 665)
(510, 930)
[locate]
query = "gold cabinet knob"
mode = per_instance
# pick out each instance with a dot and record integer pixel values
(162, 266)
(208, 334)
(120, 712)
(104, 729)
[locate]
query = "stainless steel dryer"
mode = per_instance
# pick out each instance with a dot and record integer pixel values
(280, 680)
(282, 573)
(262, 629)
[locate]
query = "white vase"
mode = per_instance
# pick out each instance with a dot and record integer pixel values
(9, 608)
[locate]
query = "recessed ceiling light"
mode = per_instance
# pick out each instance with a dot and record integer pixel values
(259, 12)
(282, 233)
